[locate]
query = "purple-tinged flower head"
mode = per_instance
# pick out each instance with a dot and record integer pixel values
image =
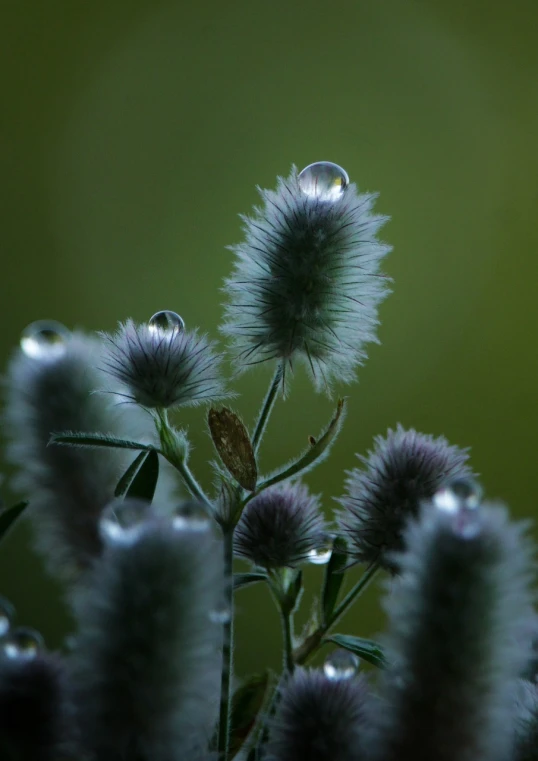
(161, 365)
(33, 706)
(319, 719)
(306, 283)
(402, 470)
(146, 659)
(281, 527)
(50, 387)
(455, 647)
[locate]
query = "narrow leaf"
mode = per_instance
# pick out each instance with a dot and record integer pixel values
(127, 478)
(366, 649)
(333, 579)
(317, 451)
(9, 516)
(245, 579)
(247, 702)
(233, 445)
(96, 441)
(144, 483)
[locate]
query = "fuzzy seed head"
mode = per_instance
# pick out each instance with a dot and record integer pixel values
(306, 283)
(319, 719)
(404, 469)
(458, 614)
(163, 368)
(280, 527)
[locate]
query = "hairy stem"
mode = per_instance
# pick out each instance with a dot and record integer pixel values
(313, 642)
(267, 407)
(287, 633)
(227, 648)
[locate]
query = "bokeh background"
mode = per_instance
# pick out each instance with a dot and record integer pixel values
(132, 133)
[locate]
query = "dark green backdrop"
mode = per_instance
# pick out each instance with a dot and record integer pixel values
(132, 133)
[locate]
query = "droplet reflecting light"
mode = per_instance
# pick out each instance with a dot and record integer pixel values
(220, 615)
(123, 522)
(191, 517)
(44, 340)
(166, 323)
(23, 642)
(461, 493)
(323, 180)
(341, 664)
(321, 555)
(7, 614)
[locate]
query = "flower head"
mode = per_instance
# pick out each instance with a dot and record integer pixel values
(403, 469)
(280, 527)
(306, 283)
(319, 719)
(163, 366)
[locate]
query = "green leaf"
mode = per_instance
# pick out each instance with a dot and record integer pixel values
(318, 449)
(144, 483)
(366, 649)
(247, 703)
(96, 441)
(245, 579)
(9, 516)
(233, 445)
(333, 578)
(127, 478)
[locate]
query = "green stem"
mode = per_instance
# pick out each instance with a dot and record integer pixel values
(227, 649)
(267, 407)
(314, 641)
(287, 632)
(174, 448)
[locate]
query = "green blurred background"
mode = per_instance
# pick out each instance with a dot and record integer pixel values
(133, 132)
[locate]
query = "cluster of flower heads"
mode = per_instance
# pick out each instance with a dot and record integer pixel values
(148, 582)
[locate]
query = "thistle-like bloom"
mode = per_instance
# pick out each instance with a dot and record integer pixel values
(280, 527)
(163, 367)
(319, 719)
(146, 662)
(51, 388)
(32, 708)
(455, 646)
(306, 283)
(402, 470)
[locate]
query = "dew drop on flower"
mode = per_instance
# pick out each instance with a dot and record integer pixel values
(166, 323)
(461, 493)
(321, 555)
(220, 614)
(341, 664)
(323, 180)
(23, 642)
(191, 517)
(123, 522)
(7, 614)
(44, 340)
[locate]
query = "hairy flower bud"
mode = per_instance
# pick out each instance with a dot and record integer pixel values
(51, 388)
(319, 719)
(306, 282)
(163, 367)
(32, 708)
(403, 469)
(280, 527)
(455, 650)
(146, 658)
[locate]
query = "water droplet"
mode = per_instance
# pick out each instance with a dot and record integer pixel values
(321, 555)
(7, 614)
(23, 642)
(461, 493)
(123, 522)
(324, 180)
(166, 323)
(191, 517)
(341, 664)
(45, 340)
(220, 614)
